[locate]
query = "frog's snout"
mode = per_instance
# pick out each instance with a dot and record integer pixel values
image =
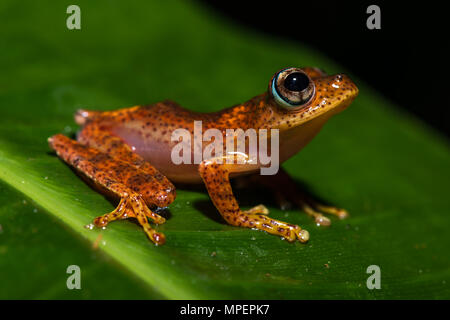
(342, 90)
(348, 88)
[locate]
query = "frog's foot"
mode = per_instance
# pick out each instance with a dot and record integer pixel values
(156, 218)
(287, 193)
(288, 231)
(340, 213)
(134, 207)
(124, 212)
(319, 218)
(215, 175)
(259, 209)
(121, 179)
(316, 210)
(118, 213)
(142, 212)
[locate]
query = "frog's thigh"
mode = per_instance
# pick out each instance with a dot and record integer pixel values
(95, 136)
(97, 166)
(286, 189)
(215, 174)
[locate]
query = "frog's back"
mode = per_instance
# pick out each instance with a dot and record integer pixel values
(148, 131)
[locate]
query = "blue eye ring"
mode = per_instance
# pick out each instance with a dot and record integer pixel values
(291, 88)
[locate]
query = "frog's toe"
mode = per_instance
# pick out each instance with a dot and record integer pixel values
(340, 213)
(259, 209)
(321, 220)
(297, 233)
(117, 213)
(154, 216)
(158, 238)
(100, 222)
(142, 212)
(303, 235)
(287, 231)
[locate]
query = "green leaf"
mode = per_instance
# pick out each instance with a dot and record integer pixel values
(389, 170)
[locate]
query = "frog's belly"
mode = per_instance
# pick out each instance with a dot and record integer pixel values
(181, 173)
(158, 152)
(159, 155)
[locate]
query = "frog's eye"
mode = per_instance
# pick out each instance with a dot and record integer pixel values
(292, 88)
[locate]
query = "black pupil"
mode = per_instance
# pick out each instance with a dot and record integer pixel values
(296, 81)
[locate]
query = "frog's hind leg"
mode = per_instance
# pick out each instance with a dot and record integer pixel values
(98, 167)
(286, 191)
(97, 136)
(215, 175)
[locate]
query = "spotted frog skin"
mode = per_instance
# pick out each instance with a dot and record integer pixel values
(126, 153)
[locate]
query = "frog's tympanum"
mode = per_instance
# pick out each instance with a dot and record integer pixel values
(127, 153)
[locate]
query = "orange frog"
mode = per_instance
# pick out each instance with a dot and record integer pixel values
(128, 153)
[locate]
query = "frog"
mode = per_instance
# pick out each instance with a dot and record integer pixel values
(127, 153)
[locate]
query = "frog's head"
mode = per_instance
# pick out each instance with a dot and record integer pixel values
(299, 95)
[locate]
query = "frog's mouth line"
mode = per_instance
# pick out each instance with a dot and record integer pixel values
(328, 111)
(304, 115)
(328, 105)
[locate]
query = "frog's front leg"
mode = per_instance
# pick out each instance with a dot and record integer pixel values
(215, 174)
(286, 190)
(124, 180)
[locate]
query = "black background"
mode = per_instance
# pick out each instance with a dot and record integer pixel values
(404, 60)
